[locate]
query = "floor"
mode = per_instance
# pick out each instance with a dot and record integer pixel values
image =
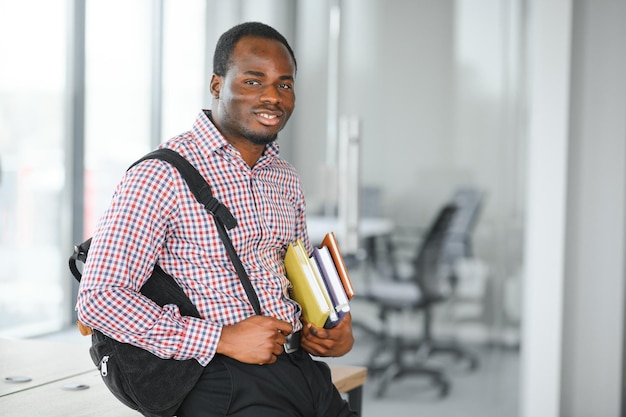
(489, 391)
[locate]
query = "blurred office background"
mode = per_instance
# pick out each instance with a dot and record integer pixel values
(524, 100)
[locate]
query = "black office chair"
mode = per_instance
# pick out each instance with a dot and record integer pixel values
(457, 245)
(425, 288)
(469, 202)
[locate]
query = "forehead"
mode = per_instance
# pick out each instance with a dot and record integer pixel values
(259, 52)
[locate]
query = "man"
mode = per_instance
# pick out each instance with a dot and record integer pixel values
(154, 219)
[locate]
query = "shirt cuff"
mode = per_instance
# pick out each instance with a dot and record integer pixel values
(199, 340)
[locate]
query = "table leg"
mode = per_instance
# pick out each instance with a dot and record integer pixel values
(355, 398)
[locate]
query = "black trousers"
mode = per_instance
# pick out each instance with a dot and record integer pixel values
(294, 386)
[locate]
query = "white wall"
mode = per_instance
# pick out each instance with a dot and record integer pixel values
(572, 352)
(309, 118)
(548, 75)
(397, 76)
(594, 264)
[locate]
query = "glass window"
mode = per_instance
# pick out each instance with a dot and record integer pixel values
(32, 79)
(183, 65)
(119, 74)
(118, 83)
(117, 96)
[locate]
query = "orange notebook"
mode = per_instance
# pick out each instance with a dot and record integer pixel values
(331, 243)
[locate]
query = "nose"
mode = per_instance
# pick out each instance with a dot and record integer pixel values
(270, 95)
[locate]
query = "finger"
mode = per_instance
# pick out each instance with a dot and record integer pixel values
(284, 327)
(278, 349)
(281, 337)
(321, 346)
(318, 332)
(275, 357)
(314, 349)
(316, 335)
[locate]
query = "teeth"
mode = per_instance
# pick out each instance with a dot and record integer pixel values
(267, 116)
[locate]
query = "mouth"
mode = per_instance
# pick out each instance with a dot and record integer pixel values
(268, 118)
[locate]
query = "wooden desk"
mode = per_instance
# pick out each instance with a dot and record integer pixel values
(58, 371)
(41, 361)
(56, 400)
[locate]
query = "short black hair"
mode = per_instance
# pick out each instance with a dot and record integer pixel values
(226, 43)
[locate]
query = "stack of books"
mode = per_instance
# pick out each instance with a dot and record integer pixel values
(320, 283)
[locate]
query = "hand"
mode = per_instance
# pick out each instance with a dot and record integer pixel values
(257, 339)
(328, 342)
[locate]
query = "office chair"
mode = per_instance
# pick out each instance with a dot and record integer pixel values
(458, 242)
(456, 246)
(425, 288)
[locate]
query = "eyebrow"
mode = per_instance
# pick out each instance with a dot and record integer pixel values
(262, 74)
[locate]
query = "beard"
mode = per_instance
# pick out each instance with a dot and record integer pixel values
(260, 139)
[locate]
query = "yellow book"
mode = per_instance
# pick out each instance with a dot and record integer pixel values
(306, 289)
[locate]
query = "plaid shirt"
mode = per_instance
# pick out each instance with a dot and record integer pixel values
(155, 219)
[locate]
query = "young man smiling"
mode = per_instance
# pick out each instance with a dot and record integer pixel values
(154, 219)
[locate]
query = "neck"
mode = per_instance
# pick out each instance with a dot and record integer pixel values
(249, 151)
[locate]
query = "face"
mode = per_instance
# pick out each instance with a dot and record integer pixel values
(256, 96)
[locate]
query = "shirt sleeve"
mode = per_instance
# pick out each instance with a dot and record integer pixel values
(126, 245)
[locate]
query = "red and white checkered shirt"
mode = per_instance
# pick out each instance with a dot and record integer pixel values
(155, 219)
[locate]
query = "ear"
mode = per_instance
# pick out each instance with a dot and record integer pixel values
(216, 86)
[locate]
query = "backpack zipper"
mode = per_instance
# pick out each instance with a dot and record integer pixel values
(103, 365)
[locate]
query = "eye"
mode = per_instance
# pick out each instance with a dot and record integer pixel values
(285, 86)
(252, 82)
